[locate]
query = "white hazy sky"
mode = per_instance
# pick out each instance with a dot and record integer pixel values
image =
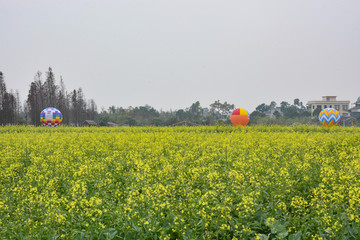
(171, 53)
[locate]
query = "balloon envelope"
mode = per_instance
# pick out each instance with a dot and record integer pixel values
(240, 117)
(51, 117)
(329, 117)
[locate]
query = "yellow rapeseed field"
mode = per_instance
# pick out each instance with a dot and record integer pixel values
(180, 183)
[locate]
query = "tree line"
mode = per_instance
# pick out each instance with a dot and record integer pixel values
(45, 92)
(195, 114)
(217, 113)
(9, 104)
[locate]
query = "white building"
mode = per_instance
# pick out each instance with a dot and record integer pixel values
(330, 102)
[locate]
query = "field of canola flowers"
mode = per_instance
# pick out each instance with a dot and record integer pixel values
(180, 183)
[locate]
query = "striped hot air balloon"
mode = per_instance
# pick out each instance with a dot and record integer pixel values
(329, 117)
(51, 117)
(240, 117)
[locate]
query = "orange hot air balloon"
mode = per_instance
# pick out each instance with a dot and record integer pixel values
(240, 117)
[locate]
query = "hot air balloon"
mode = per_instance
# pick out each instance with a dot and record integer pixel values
(240, 117)
(51, 117)
(329, 117)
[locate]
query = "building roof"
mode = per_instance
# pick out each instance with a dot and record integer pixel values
(90, 122)
(111, 124)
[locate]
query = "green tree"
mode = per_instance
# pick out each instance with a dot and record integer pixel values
(181, 115)
(316, 112)
(157, 121)
(272, 105)
(263, 108)
(277, 114)
(255, 116)
(227, 108)
(50, 89)
(131, 121)
(2, 98)
(35, 99)
(284, 105)
(297, 102)
(291, 112)
(195, 109)
(104, 118)
(220, 110)
(215, 107)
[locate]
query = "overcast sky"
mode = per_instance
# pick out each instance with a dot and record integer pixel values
(171, 53)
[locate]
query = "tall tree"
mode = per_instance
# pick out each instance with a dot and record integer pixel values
(297, 102)
(263, 108)
(272, 105)
(2, 98)
(73, 105)
(284, 105)
(215, 107)
(18, 104)
(7, 104)
(221, 110)
(10, 107)
(92, 110)
(195, 109)
(227, 108)
(50, 89)
(74, 108)
(61, 101)
(36, 100)
(81, 106)
(181, 115)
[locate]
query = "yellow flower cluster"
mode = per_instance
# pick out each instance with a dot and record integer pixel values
(180, 183)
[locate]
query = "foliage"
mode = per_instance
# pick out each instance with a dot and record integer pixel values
(193, 115)
(215, 182)
(9, 104)
(220, 111)
(286, 114)
(75, 108)
(256, 116)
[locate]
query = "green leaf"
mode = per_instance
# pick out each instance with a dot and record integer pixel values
(263, 236)
(295, 236)
(110, 233)
(279, 229)
(283, 234)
